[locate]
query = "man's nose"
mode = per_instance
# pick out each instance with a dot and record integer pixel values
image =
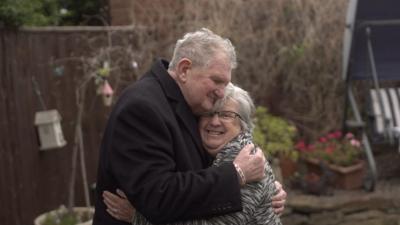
(220, 92)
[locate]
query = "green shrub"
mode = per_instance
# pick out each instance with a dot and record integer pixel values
(15, 13)
(274, 135)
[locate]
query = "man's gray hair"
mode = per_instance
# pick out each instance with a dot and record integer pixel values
(200, 47)
(246, 106)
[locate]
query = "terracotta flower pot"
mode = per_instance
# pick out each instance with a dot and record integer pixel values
(288, 167)
(343, 177)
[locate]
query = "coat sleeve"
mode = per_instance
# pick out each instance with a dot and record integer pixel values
(256, 202)
(142, 161)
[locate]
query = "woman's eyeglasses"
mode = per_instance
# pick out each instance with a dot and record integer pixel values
(223, 115)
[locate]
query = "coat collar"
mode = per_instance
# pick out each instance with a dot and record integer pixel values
(179, 104)
(168, 84)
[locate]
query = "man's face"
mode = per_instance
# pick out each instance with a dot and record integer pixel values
(204, 86)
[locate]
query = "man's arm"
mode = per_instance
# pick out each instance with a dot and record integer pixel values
(142, 160)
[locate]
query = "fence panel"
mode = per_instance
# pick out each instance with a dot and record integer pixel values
(34, 181)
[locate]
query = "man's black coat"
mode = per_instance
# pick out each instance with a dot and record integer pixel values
(152, 150)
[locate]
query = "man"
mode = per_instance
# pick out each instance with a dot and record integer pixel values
(152, 149)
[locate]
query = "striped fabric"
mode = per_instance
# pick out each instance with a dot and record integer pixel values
(387, 116)
(256, 197)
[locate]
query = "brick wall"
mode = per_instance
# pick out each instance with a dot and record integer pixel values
(121, 12)
(145, 13)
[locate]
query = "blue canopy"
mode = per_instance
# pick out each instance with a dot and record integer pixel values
(380, 20)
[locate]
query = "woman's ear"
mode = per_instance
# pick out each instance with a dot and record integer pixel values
(184, 65)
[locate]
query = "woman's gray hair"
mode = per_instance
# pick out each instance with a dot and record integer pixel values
(246, 106)
(201, 47)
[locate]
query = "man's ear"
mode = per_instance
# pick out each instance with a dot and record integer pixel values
(184, 65)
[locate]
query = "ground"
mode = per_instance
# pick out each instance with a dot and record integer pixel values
(381, 207)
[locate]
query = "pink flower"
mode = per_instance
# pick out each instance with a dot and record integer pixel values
(330, 149)
(323, 139)
(338, 134)
(331, 136)
(349, 135)
(310, 148)
(335, 148)
(355, 143)
(301, 146)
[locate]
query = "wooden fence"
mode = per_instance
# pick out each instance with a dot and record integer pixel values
(34, 181)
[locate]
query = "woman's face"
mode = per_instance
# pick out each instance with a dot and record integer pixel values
(218, 128)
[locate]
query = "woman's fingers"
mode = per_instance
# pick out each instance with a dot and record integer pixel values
(118, 207)
(121, 193)
(278, 201)
(110, 199)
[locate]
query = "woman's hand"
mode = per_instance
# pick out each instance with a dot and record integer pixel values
(118, 206)
(278, 201)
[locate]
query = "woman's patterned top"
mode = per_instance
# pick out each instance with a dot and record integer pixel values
(256, 196)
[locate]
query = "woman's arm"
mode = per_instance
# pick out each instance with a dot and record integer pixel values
(119, 207)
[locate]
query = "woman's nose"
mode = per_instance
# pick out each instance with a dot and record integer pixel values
(215, 120)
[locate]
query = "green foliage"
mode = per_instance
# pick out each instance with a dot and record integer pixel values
(62, 216)
(83, 12)
(63, 219)
(274, 135)
(16, 13)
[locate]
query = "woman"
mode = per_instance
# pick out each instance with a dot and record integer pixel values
(224, 132)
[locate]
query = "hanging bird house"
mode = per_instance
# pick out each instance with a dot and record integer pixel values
(107, 93)
(49, 129)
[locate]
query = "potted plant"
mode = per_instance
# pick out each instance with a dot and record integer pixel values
(62, 216)
(275, 136)
(342, 156)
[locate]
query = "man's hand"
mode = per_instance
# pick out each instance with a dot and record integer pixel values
(252, 164)
(118, 206)
(278, 201)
